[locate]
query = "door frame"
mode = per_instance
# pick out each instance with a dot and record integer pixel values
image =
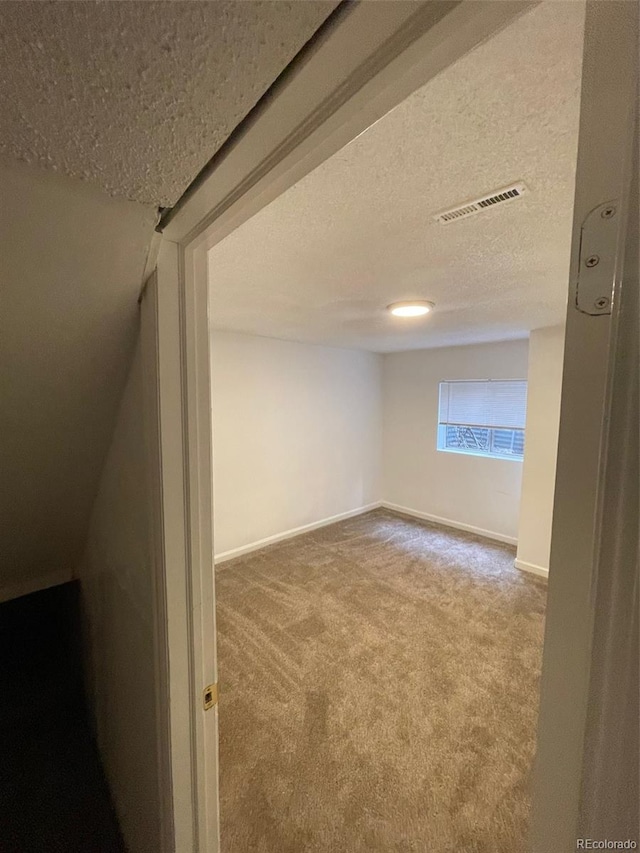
(366, 60)
(585, 447)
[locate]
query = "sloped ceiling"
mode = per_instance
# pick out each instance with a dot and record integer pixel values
(72, 261)
(125, 101)
(322, 262)
(137, 96)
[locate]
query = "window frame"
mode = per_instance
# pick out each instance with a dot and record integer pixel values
(441, 427)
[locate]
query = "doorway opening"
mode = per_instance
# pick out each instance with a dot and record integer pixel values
(330, 100)
(383, 484)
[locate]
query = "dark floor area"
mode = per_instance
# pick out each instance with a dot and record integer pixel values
(53, 795)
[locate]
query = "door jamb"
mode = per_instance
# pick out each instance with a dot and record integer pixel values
(603, 177)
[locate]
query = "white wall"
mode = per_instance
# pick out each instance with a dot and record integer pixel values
(71, 269)
(116, 577)
(72, 265)
(305, 433)
(476, 493)
(296, 435)
(546, 352)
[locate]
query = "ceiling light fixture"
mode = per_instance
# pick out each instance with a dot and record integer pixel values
(416, 308)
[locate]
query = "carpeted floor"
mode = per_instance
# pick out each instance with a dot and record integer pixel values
(379, 692)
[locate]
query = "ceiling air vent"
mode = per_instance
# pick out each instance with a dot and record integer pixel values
(470, 208)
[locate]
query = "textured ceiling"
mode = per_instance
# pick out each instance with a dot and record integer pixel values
(321, 262)
(137, 96)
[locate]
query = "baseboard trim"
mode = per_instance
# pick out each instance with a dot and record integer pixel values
(540, 571)
(26, 587)
(448, 522)
(289, 534)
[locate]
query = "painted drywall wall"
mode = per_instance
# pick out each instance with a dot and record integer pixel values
(472, 492)
(296, 435)
(116, 576)
(546, 353)
(71, 270)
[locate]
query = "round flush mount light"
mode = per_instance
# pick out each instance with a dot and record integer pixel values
(416, 308)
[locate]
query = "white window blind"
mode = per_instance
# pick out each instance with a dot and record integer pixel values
(493, 404)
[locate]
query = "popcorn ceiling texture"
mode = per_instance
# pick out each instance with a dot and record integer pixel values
(132, 97)
(137, 96)
(321, 263)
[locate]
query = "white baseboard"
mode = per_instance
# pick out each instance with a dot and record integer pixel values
(29, 585)
(289, 534)
(540, 571)
(448, 522)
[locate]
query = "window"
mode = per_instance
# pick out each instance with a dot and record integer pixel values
(483, 418)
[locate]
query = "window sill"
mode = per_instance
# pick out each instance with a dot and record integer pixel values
(479, 454)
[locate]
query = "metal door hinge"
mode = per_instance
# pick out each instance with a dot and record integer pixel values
(597, 271)
(210, 696)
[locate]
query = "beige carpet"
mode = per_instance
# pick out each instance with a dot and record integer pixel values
(379, 692)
